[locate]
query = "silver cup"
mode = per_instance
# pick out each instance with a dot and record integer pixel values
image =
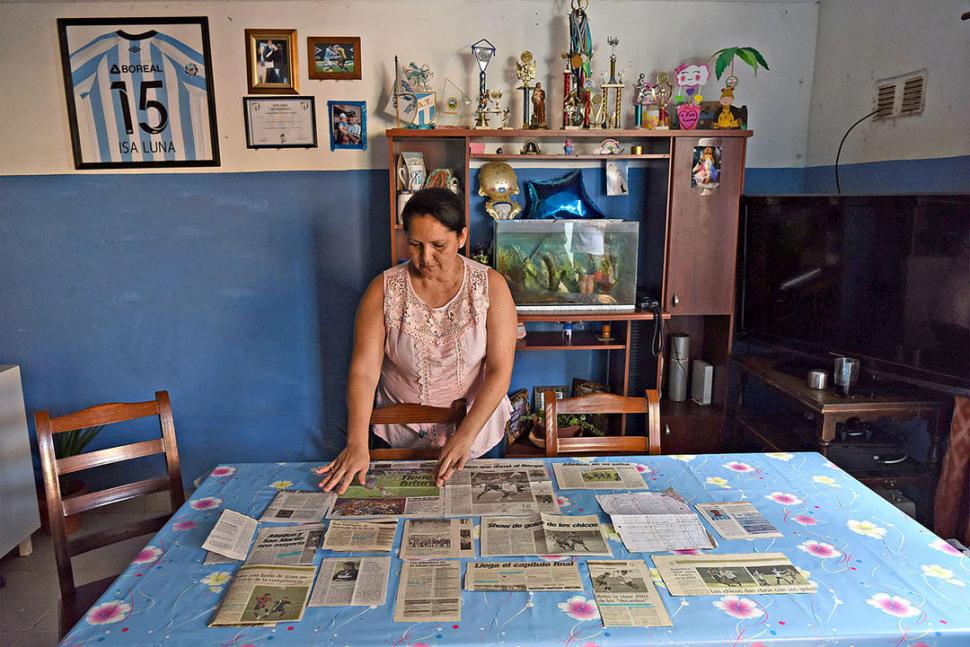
(818, 379)
(846, 374)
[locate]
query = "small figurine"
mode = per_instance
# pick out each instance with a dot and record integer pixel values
(531, 147)
(506, 118)
(568, 147)
(538, 108)
(609, 147)
(726, 118)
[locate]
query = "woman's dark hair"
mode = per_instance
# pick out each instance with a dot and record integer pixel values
(441, 204)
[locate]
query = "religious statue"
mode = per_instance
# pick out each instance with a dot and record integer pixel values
(538, 107)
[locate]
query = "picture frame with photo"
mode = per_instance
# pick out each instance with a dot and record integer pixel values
(348, 125)
(272, 61)
(333, 58)
(280, 122)
(538, 398)
(139, 92)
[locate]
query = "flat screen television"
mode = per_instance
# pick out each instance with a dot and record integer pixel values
(882, 278)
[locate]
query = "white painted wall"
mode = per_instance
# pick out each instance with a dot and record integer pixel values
(862, 41)
(657, 35)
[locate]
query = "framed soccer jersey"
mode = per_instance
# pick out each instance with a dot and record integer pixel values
(139, 92)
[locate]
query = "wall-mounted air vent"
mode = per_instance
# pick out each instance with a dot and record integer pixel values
(900, 96)
(913, 95)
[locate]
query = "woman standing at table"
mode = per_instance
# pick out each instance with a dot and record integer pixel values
(434, 329)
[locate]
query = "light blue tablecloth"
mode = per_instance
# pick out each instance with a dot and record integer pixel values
(882, 578)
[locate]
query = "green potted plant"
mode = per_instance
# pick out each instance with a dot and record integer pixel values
(568, 426)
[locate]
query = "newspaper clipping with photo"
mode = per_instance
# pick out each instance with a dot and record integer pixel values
(298, 506)
(436, 539)
(755, 573)
(287, 545)
(260, 595)
(392, 489)
(649, 522)
(484, 487)
(360, 536)
(429, 592)
(598, 476)
(522, 576)
(737, 520)
(231, 536)
(625, 594)
(351, 581)
(500, 487)
(544, 534)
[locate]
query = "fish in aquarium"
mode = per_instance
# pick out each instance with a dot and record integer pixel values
(568, 264)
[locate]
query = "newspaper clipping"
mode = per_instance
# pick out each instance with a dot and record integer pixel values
(487, 487)
(625, 595)
(261, 595)
(351, 581)
(392, 489)
(544, 534)
(437, 539)
(231, 535)
(429, 592)
(360, 536)
(297, 506)
(737, 520)
(648, 522)
(757, 573)
(522, 576)
(289, 545)
(598, 476)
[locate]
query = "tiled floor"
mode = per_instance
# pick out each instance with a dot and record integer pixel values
(30, 595)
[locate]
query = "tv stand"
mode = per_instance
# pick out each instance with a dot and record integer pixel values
(811, 417)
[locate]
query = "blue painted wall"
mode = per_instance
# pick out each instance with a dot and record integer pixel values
(236, 292)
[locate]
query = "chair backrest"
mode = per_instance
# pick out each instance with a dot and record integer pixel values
(404, 414)
(52, 467)
(602, 403)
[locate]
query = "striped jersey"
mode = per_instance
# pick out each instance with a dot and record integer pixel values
(141, 98)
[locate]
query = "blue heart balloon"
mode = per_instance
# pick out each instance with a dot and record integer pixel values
(560, 199)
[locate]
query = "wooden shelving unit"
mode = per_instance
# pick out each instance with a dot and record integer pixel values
(525, 158)
(694, 235)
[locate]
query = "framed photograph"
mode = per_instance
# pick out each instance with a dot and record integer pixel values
(139, 92)
(348, 124)
(333, 57)
(280, 122)
(272, 63)
(538, 397)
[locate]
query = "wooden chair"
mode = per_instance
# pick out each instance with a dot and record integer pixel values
(602, 403)
(75, 600)
(402, 414)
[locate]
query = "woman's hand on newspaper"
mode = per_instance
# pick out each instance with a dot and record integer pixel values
(453, 456)
(352, 462)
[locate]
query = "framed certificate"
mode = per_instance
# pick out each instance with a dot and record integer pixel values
(139, 92)
(280, 122)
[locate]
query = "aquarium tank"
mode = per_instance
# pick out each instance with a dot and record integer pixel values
(569, 264)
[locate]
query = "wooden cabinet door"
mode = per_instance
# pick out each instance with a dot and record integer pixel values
(691, 435)
(703, 232)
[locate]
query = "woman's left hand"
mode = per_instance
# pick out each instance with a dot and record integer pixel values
(453, 456)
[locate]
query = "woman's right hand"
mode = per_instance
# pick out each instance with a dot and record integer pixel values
(352, 462)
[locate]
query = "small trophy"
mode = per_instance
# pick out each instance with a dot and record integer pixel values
(525, 72)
